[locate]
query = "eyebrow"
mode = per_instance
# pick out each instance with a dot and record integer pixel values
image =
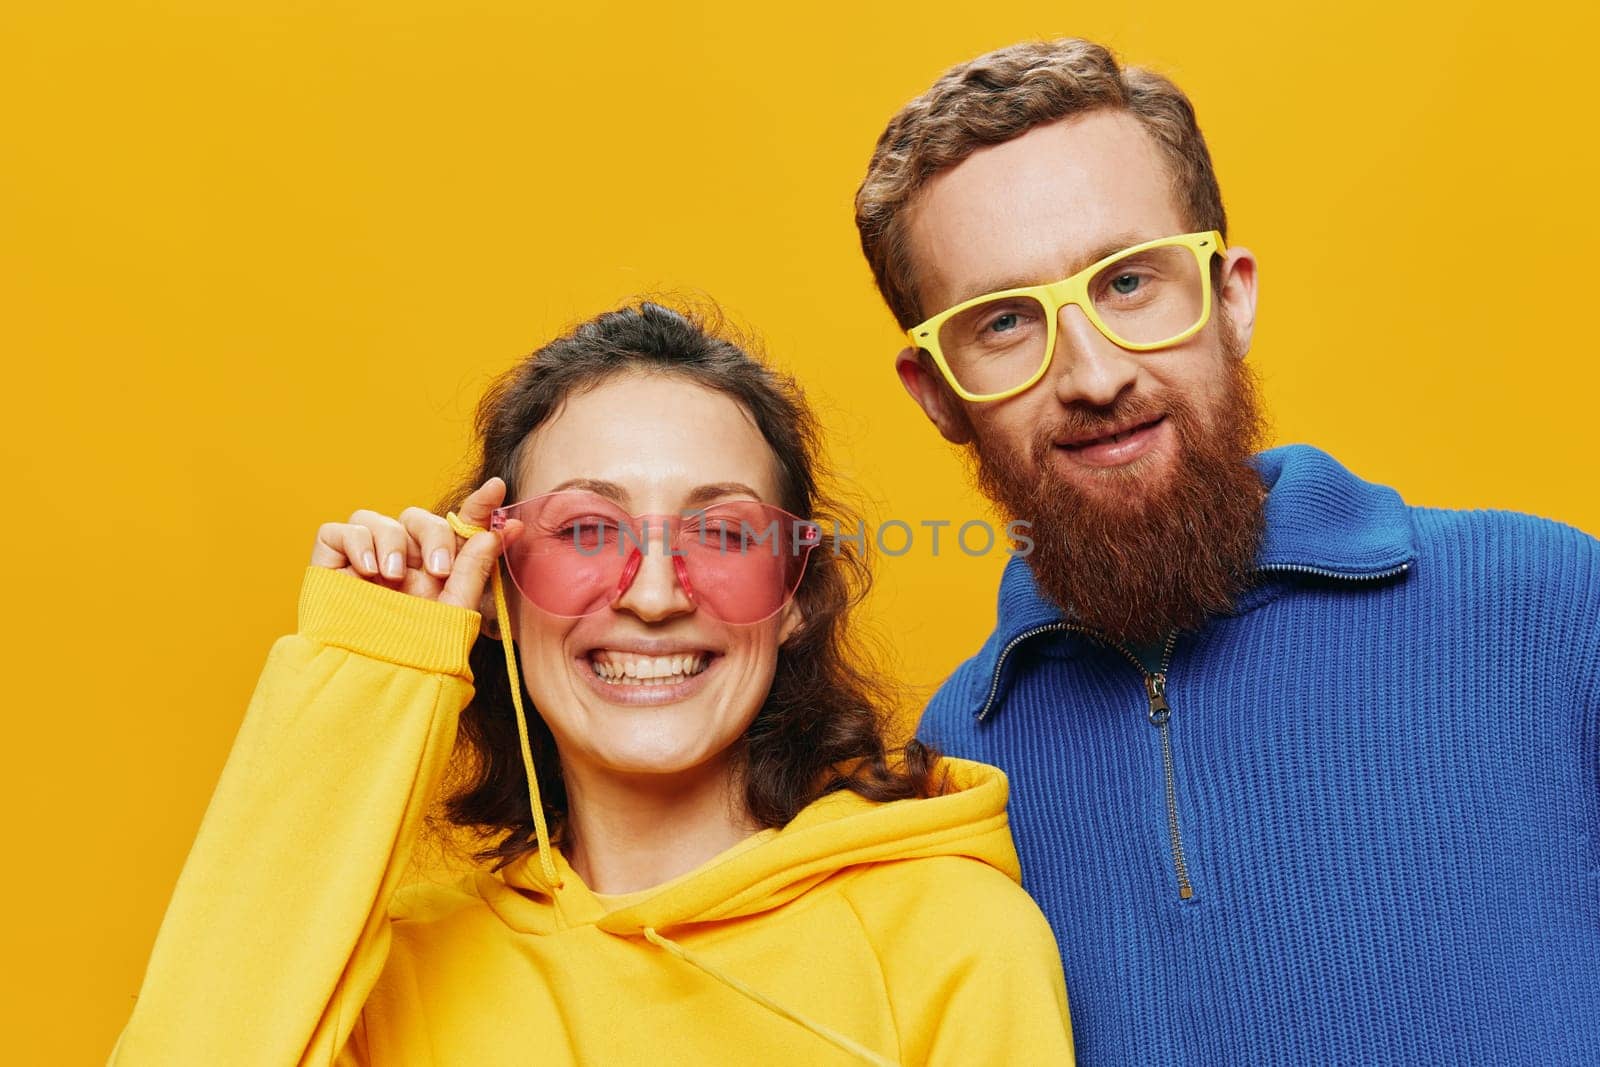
(610, 490)
(698, 497)
(998, 284)
(704, 494)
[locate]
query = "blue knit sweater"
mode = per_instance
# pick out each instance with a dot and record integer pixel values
(1384, 789)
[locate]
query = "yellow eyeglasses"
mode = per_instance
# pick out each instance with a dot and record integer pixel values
(1149, 296)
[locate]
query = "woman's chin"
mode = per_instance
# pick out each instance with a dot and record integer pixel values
(652, 762)
(650, 741)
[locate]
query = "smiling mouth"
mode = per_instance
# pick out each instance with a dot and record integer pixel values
(1111, 439)
(627, 668)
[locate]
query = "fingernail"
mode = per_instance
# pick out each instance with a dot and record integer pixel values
(394, 566)
(441, 561)
(369, 562)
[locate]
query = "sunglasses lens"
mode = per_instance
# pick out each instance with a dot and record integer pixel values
(566, 551)
(572, 553)
(744, 560)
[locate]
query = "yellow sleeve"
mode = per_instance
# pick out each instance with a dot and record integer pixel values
(278, 927)
(971, 967)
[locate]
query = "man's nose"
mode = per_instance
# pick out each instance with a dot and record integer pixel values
(654, 591)
(1088, 367)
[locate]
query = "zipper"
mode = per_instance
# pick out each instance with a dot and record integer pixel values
(1295, 568)
(1000, 662)
(1159, 715)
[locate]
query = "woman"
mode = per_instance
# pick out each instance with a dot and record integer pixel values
(697, 850)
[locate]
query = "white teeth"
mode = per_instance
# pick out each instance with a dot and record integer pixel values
(625, 668)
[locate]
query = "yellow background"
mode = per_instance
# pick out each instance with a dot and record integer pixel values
(257, 261)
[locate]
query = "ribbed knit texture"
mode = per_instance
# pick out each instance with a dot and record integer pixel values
(347, 612)
(1388, 790)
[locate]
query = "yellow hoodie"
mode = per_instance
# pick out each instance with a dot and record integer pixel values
(859, 933)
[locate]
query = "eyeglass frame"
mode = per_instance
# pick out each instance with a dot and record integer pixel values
(1073, 290)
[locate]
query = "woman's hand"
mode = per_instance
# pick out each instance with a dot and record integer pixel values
(418, 553)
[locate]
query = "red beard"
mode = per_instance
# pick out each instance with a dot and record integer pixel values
(1132, 561)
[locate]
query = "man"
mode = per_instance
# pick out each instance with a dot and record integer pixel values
(1299, 774)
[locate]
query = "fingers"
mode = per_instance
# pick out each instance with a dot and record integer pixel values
(436, 542)
(474, 564)
(393, 547)
(418, 553)
(342, 544)
(478, 507)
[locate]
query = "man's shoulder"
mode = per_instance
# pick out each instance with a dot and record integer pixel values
(1500, 539)
(951, 709)
(1020, 611)
(1499, 567)
(1321, 514)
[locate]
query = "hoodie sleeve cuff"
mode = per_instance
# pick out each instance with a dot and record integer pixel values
(344, 611)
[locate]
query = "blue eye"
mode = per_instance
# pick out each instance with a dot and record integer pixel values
(1003, 323)
(1125, 283)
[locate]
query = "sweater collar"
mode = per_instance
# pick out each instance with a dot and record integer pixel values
(1321, 521)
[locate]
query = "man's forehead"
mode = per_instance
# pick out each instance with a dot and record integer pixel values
(1039, 207)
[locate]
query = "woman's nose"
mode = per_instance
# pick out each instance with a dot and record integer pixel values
(651, 587)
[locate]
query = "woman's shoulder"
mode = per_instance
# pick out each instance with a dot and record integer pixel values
(951, 914)
(939, 885)
(944, 859)
(954, 899)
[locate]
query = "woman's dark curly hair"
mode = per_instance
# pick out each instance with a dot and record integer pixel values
(820, 729)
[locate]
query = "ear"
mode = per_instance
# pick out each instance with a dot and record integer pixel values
(490, 626)
(791, 618)
(1237, 292)
(927, 387)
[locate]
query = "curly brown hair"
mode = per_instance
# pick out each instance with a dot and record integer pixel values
(821, 727)
(1003, 95)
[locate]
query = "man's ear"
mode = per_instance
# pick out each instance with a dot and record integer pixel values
(925, 385)
(1236, 291)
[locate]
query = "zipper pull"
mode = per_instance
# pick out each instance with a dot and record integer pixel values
(1155, 687)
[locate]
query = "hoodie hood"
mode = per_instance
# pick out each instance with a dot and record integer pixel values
(541, 894)
(838, 832)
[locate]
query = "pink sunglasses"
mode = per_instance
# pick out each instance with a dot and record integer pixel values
(572, 553)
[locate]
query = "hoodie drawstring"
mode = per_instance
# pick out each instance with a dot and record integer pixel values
(839, 1040)
(541, 832)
